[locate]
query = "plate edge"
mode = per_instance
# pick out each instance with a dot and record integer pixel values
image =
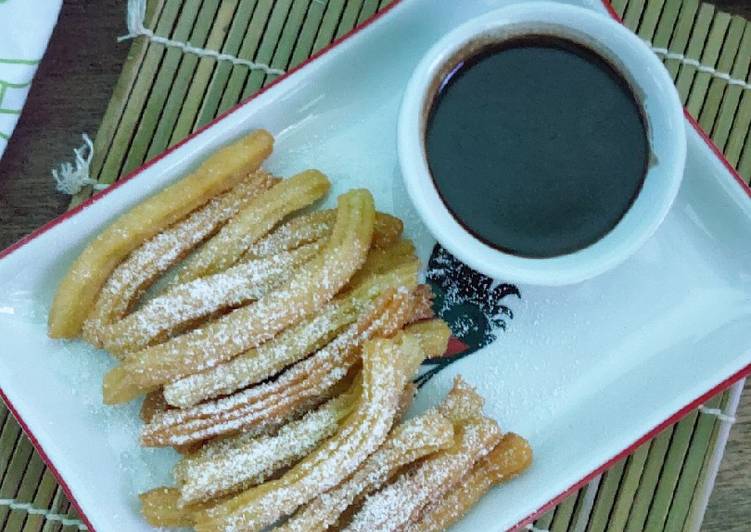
(674, 418)
(729, 381)
(47, 461)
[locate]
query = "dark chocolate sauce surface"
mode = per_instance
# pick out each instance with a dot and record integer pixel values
(537, 146)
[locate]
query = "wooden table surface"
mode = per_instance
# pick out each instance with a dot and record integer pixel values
(69, 96)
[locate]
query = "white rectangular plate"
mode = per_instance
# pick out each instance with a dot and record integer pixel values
(585, 372)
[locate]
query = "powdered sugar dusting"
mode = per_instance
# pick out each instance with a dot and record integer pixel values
(339, 456)
(300, 230)
(305, 380)
(268, 359)
(399, 503)
(406, 443)
(247, 327)
(251, 463)
(129, 280)
(202, 297)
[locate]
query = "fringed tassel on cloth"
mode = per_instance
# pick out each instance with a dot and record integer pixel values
(70, 178)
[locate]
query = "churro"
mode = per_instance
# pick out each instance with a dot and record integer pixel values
(280, 357)
(292, 344)
(80, 287)
(387, 230)
(247, 327)
(145, 264)
(285, 349)
(387, 367)
(399, 504)
(303, 381)
(253, 222)
(300, 230)
(186, 304)
(152, 405)
(160, 508)
(318, 225)
(208, 476)
(508, 459)
(408, 442)
(385, 259)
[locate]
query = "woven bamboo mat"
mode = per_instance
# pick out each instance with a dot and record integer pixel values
(164, 94)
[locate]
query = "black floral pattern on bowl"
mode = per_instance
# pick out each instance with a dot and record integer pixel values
(471, 303)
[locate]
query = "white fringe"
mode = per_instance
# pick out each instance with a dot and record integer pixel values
(49, 515)
(704, 489)
(719, 414)
(136, 17)
(727, 78)
(533, 528)
(71, 178)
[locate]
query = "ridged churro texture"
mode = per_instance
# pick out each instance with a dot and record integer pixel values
(78, 290)
(248, 327)
(277, 349)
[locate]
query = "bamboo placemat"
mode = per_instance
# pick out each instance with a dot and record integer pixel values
(163, 94)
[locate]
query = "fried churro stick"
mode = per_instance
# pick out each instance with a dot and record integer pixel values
(78, 290)
(297, 386)
(305, 380)
(288, 347)
(185, 304)
(387, 367)
(208, 476)
(399, 504)
(145, 264)
(300, 230)
(153, 404)
(407, 443)
(318, 225)
(387, 230)
(253, 222)
(207, 449)
(160, 508)
(248, 459)
(462, 403)
(247, 327)
(509, 458)
(385, 259)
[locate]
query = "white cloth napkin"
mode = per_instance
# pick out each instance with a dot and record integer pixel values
(25, 29)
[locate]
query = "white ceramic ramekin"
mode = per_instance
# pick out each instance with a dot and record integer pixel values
(653, 89)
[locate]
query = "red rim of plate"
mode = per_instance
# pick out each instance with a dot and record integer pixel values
(544, 508)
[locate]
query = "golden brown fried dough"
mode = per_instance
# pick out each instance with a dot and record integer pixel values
(186, 304)
(153, 404)
(79, 289)
(315, 226)
(509, 458)
(296, 386)
(154, 257)
(286, 348)
(387, 367)
(247, 327)
(159, 507)
(399, 504)
(293, 344)
(205, 477)
(254, 221)
(408, 442)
